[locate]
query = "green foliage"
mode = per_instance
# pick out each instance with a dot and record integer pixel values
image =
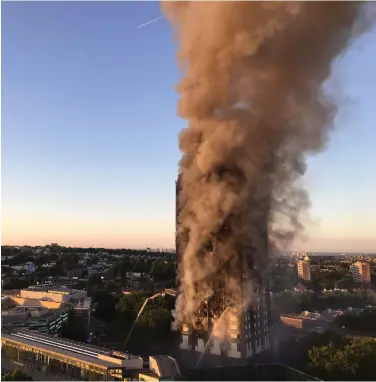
(121, 268)
(67, 261)
(326, 280)
(163, 270)
(131, 303)
(354, 361)
(155, 321)
(17, 283)
(282, 277)
(291, 302)
(105, 303)
(346, 283)
(16, 375)
(323, 339)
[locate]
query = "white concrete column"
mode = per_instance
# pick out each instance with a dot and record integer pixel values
(200, 347)
(184, 344)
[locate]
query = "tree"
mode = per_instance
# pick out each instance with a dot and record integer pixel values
(105, 304)
(16, 375)
(163, 270)
(157, 322)
(74, 329)
(365, 321)
(130, 304)
(346, 283)
(16, 283)
(354, 361)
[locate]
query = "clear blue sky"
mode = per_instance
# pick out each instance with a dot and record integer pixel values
(89, 132)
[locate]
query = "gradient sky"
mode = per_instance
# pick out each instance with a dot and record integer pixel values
(89, 132)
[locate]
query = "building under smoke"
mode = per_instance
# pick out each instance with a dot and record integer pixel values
(244, 330)
(253, 96)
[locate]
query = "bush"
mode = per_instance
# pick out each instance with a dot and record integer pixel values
(16, 375)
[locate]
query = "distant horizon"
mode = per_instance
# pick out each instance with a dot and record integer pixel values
(173, 248)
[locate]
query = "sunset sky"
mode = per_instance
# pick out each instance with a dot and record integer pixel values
(89, 132)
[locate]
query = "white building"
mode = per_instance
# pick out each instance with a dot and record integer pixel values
(28, 267)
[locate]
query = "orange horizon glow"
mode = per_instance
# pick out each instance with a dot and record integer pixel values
(142, 241)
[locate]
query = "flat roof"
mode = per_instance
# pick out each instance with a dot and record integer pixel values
(53, 344)
(50, 313)
(51, 288)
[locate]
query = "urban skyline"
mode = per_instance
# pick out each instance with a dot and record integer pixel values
(85, 163)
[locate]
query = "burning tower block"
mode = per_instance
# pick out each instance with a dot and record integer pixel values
(242, 333)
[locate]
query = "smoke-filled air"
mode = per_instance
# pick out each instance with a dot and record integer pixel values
(253, 97)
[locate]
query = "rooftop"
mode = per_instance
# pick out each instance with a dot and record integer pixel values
(24, 313)
(331, 314)
(167, 366)
(310, 315)
(61, 289)
(354, 311)
(80, 351)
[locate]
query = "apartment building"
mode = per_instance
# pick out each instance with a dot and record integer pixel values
(361, 272)
(247, 328)
(304, 269)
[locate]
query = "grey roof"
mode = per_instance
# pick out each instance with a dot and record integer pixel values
(167, 366)
(77, 352)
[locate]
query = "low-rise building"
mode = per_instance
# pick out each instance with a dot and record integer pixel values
(353, 311)
(306, 321)
(28, 267)
(34, 318)
(161, 368)
(330, 315)
(71, 359)
(51, 302)
(81, 361)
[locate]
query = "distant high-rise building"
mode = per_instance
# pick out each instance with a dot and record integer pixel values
(304, 269)
(361, 272)
(247, 327)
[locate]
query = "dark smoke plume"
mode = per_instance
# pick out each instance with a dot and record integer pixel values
(252, 93)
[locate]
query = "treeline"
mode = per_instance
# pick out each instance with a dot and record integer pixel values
(363, 322)
(351, 360)
(159, 270)
(331, 356)
(119, 313)
(292, 302)
(11, 250)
